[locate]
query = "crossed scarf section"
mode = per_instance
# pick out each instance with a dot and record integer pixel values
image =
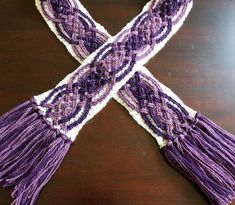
(36, 135)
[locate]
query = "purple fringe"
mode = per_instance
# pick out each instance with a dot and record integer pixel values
(207, 157)
(30, 152)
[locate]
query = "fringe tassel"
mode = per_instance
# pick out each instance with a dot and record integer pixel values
(207, 157)
(30, 152)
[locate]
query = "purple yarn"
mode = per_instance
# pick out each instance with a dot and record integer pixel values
(205, 155)
(113, 62)
(163, 115)
(150, 28)
(198, 148)
(30, 152)
(87, 36)
(201, 150)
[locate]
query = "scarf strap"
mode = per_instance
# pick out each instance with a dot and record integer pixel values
(46, 126)
(82, 35)
(152, 105)
(87, 90)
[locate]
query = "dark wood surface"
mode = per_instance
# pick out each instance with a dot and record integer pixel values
(114, 161)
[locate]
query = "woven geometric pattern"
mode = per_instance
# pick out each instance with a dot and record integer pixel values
(74, 26)
(69, 104)
(164, 115)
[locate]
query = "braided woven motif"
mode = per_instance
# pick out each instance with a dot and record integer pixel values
(74, 26)
(161, 113)
(69, 104)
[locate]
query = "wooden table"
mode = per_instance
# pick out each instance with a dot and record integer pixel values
(114, 161)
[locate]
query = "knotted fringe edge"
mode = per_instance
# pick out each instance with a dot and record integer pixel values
(206, 155)
(30, 152)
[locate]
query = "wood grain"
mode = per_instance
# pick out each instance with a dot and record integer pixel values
(114, 161)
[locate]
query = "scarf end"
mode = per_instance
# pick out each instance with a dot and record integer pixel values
(206, 156)
(31, 151)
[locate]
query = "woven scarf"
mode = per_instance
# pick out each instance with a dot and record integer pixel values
(36, 135)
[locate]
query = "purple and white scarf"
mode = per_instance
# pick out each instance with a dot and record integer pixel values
(36, 135)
